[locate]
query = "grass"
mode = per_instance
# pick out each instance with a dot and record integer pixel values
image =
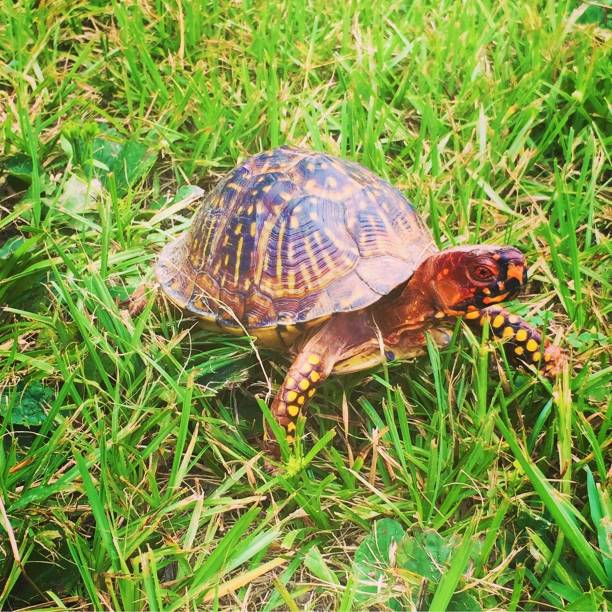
(130, 475)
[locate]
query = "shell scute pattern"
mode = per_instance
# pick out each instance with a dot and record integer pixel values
(324, 178)
(291, 236)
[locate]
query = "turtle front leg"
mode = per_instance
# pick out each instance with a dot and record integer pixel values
(316, 358)
(310, 368)
(523, 342)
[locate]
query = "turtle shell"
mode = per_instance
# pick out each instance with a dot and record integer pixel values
(292, 236)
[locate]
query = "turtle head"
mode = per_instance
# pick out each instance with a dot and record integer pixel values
(474, 277)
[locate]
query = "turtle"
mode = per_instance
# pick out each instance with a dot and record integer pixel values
(319, 257)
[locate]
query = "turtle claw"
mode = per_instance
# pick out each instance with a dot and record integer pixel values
(554, 360)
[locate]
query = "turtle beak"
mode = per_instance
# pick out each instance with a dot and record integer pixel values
(517, 272)
(513, 275)
(516, 277)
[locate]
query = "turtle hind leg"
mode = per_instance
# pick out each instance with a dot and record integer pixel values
(137, 301)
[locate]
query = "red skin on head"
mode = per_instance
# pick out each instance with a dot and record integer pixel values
(476, 277)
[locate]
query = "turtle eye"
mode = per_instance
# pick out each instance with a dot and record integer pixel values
(482, 273)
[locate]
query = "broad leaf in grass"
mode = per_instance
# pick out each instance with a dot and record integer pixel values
(19, 166)
(125, 160)
(10, 246)
(79, 195)
(27, 405)
(599, 15)
(427, 553)
(424, 553)
(464, 602)
(375, 555)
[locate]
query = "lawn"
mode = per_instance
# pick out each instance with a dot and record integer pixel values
(130, 471)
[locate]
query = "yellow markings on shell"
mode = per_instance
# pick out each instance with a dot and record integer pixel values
(332, 183)
(294, 223)
(311, 255)
(208, 235)
(521, 335)
(314, 359)
(286, 195)
(547, 356)
(290, 280)
(514, 319)
(314, 376)
(263, 262)
(300, 400)
(537, 356)
(498, 321)
(304, 384)
(314, 216)
(290, 382)
(290, 439)
(293, 410)
(291, 395)
(232, 186)
(238, 253)
(519, 350)
(279, 250)
(291, 426)
(532, 345)
(238, 229)
(508, 332)
(226, 260)
(311, 392)
(486, 291)
(311, 184)
(310, 167)
(305, 274)
(474, 314)
(253, 229)
(266, 188)
(254, 192)
(329, 260)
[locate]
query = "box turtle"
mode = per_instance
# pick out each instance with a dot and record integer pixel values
(319, 257)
